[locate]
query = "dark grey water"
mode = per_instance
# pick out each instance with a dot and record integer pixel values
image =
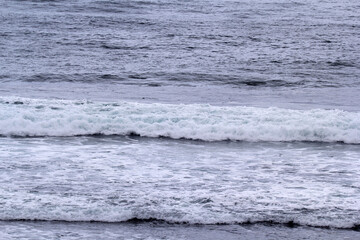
(285, 51)
(128, 67)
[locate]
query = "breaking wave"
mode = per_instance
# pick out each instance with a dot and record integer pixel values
(297, 221)
(36, 117)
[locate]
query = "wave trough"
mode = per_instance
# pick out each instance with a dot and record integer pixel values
(36, 117)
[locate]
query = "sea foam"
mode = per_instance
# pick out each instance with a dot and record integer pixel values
(36, 117)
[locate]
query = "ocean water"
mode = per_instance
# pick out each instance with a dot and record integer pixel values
(158, 119)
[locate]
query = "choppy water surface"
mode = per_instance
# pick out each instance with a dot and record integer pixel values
(299, 53)
(162, 119)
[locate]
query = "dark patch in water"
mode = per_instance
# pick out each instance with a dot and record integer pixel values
(108, 76)
(339, 63)
(137, 76)
(154, 85)
(145, 220)
(254, 83)
(116, 47)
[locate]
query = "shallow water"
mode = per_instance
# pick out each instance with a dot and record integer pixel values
(114, 179)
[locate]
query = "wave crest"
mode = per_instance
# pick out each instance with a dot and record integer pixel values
(135, 220)
(35, 117)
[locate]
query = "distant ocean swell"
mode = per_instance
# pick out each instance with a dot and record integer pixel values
(36, 117)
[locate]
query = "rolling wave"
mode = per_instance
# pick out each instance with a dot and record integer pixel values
(136, 220)
(35, 117)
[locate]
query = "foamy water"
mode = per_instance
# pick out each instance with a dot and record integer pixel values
(117, 179)
(33, 117)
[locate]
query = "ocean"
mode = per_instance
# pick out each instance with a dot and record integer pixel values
(159, 119)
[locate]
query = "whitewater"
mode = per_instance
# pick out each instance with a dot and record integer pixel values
(137, 179)
(35, 117)
(132, 162)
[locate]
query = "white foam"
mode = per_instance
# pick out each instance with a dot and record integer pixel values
(34, 117)
(117, 179)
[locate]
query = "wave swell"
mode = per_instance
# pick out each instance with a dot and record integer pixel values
(290, 224)
(34, 117)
